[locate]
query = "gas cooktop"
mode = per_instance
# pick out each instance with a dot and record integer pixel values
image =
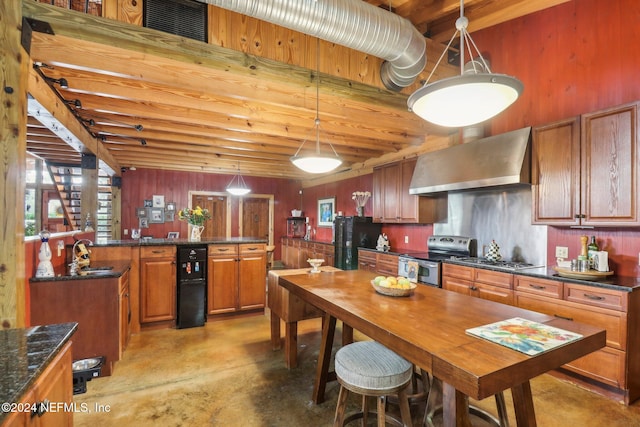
(503, 265)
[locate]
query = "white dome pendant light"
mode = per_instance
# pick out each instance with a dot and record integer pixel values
(474, 96)
(237, 186)
(317, 162)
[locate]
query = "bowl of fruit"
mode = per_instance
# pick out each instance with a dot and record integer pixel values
(393, 286)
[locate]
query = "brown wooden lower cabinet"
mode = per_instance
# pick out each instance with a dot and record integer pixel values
(296, 252)
(99, 306)
(55, 385)
(157, 284)
(236, 277)
(479, 283)
(615, 368)
(382, 263)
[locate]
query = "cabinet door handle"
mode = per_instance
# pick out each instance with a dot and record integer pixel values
(539, 287)
(473, 288)
(157, 251)
(563, 317)
(252, 249)
(222, 249)
(594, 297)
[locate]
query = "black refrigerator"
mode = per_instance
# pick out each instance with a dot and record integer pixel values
(351, 233)
(192, 286)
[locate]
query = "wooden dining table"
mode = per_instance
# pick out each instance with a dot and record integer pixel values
(428, 328)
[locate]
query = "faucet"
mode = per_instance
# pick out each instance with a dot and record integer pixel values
(79, 259)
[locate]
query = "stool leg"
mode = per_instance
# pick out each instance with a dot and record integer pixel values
(365, 410)
(381, 411)
(405, 413)
(502, 410)
(338, 419)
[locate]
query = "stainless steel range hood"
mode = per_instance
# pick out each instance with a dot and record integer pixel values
(493, 162)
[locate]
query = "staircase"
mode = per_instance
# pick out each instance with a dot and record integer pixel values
(68, 182)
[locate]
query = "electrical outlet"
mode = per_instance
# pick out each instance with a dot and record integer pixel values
(562, 252)
(126, 231)
(406, 239)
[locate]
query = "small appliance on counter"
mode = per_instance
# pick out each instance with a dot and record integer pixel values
(296, 226)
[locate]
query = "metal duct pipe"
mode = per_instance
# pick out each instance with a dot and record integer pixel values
(352, 23)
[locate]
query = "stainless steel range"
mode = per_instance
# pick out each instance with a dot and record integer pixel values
(425, 268)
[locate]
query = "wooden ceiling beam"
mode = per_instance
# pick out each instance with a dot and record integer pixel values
(41, 91)
(481, 14)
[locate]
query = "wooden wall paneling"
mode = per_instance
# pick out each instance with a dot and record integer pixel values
(575, 69)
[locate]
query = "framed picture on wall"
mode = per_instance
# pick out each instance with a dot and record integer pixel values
(169, 216)
(173, 235)
(148, 203)
(156, 216)
(141, 212)
(158, 201)
(171, 206)
(143, 222)
(326, 210)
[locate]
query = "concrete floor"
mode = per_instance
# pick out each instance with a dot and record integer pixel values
(225, 374)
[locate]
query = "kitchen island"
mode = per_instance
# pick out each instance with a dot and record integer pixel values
(29, 356)
(428, 329)
(99, 303)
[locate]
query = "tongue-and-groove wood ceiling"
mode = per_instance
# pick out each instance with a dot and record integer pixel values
(245, 100)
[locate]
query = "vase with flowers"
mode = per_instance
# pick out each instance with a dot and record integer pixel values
(196, 218)
(361, 198)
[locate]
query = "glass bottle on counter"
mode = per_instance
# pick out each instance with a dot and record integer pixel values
(592, 248)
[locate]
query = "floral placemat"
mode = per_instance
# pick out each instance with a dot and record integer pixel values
(525, 336)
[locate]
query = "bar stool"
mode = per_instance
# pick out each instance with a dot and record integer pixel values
(434, 408)
(370, 369)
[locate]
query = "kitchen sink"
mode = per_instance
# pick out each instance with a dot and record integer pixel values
(96, 273)
(96, 268)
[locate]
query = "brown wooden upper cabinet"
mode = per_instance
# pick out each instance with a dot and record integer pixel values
(585, 169)
(392, 202)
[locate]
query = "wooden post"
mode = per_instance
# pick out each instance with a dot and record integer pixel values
(13, 147)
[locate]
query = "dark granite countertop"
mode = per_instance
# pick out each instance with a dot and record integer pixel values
(179, 242)
(25, 353)
(118, 268)
(406, 252)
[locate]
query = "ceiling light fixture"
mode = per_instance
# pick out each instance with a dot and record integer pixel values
(317, 162)
(109, 121)
(62, 82)
(74, 102)
(474, 96)
(237, 186)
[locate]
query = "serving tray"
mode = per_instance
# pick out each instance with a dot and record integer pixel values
(582, 275)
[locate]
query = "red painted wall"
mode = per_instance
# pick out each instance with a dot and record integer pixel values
(574, 58)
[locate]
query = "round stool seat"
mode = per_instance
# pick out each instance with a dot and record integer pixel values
(371, 366)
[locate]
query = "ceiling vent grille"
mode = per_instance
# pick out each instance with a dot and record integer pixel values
(181, 17)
